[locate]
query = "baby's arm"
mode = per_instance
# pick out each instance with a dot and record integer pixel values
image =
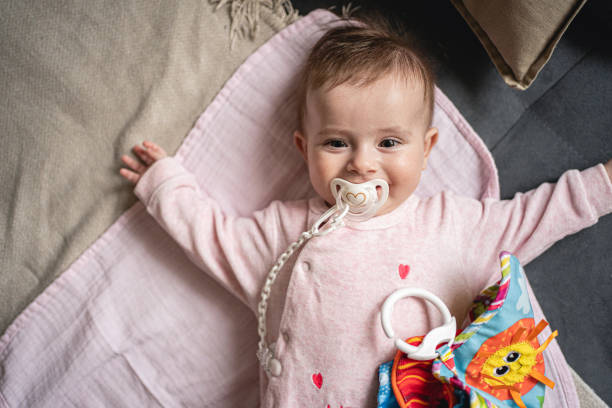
(530, 222)
(236, 251)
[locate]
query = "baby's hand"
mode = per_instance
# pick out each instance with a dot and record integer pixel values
(608, 167)
(149, 155)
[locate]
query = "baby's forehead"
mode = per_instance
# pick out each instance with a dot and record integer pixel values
(385, 103)
(366, 77)
(364, 88)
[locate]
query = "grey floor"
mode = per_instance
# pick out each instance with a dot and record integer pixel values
(561, 122)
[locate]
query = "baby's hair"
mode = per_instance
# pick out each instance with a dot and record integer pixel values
(359, 54)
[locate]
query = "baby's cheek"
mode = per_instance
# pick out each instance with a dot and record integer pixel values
(406, 171)
(320, 183)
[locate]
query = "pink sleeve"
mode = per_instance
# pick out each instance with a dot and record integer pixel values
(236, 251)
(530, 222)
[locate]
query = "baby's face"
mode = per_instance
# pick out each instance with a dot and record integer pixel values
(363, 133)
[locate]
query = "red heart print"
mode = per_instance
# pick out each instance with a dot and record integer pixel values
(403, 270)
(317, 380)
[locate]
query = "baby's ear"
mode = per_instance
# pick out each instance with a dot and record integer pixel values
(431, 138)
(300, 142)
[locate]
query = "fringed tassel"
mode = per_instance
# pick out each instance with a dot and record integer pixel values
(245, 15)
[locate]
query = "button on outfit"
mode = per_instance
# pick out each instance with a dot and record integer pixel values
(275, 367)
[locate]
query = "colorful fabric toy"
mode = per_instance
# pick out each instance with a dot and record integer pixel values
(496, 361)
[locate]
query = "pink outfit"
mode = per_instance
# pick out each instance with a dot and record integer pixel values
(324, 311)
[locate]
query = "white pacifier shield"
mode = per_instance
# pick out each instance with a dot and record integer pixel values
(427, 349)
(362, 199)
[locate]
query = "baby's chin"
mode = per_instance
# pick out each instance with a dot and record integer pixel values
(385, 209)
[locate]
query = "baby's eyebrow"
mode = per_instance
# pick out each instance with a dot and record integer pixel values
(395, 129)
(334, 132)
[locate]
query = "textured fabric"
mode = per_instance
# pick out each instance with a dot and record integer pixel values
(586, 395)
(408, 383)
(132, 322)
(80, 84)
(519, 36)
(326, 305)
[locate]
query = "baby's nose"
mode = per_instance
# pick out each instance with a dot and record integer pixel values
(363, 161)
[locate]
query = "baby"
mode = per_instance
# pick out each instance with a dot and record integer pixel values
(366, 104)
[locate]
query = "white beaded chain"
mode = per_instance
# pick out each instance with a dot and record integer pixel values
(265, 354)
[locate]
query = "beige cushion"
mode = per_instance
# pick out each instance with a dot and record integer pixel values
(519, 35)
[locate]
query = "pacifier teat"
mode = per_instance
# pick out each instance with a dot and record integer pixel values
(362, 199)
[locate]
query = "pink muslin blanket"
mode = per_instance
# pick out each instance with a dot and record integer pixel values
(134, 323)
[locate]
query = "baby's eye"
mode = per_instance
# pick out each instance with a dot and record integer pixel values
(335, 143)
(389, 143)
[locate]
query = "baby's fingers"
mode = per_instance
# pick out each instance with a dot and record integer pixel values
(133, 164)
(130, 175)
(144, 155)
(154, 150)
(608, 167)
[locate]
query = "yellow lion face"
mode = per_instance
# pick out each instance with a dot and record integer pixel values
(510, 365)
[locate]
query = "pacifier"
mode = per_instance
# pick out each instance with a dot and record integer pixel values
(443, 334)
(362, 199)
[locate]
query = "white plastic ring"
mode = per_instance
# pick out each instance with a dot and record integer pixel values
(443, 334)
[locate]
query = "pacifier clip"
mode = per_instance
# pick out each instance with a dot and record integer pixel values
(355, 201)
